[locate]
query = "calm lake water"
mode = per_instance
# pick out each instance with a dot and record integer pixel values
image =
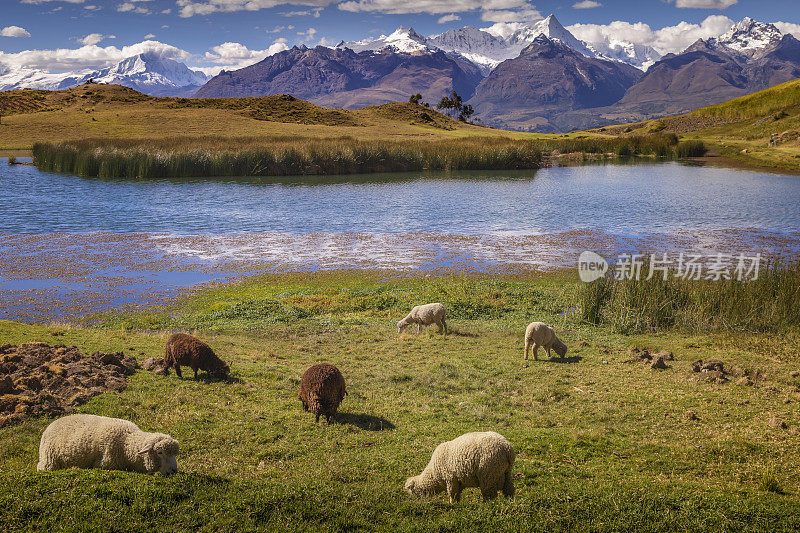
(623, 200)
(70, 245)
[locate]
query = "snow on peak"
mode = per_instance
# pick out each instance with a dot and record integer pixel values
(403, 39)
(750, 36)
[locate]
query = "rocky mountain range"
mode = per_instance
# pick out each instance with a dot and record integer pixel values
(148, 73)
(530, 77)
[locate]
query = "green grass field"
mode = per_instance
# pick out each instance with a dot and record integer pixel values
(602, 444)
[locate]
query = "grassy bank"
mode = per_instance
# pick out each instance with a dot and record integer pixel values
(602, 444)
(286, 156)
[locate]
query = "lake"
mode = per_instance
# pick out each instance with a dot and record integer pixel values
(103, 243)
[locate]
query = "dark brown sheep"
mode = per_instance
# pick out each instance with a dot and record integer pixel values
(183, 349)
(322, 389)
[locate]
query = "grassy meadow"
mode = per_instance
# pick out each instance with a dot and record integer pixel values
(602, 444)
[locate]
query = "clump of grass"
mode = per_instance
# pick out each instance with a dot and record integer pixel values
(12, 161)
(688, 149)
(767, 304)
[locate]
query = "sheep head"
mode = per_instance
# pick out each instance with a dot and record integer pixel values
(411, 485)
(560, 348)
(222, 370)
(160, 454)
(403, 324)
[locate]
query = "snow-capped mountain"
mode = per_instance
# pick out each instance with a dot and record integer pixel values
(750, 37)
(147, 73)
(404, 40)
(487, 48)
(150, 74)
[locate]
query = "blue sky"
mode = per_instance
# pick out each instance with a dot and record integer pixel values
(87, 33)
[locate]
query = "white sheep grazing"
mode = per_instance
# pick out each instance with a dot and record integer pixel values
(425, 315)
(540, 335)
(90, 441)
(480, 459)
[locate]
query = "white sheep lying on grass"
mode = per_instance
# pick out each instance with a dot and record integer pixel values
(90, 441)
(425, 315)
(480, 459)
(540, 335)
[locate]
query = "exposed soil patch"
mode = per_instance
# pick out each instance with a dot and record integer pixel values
(38, 379)
(655, 360)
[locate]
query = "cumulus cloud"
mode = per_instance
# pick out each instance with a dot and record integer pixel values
(88, 57)
(705, 4)
(94, 38)
(308, 34)
(433, 7)
(130, 7)
(14, 31)
(232, 56)
(670, 39)
(190, 8)
(305, 13)
(789, 27)
(448, 18)
(587, 4)
(149, 36)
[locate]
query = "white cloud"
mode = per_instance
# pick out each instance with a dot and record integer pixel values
(434, 7)
(14, 31)
(306, 13)
(789, 27)
(92, 8)
(278, 29)
(448, 18)
(587, 4)
(232, 56)
(130, 7)
(705, 4)
(670, 39)
(94, 38)
(88, 57)
(190, 8)
(308, 34)
(149, 36)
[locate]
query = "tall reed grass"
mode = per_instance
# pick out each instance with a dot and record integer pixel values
(281, 158)
(288, 156)
(770, 303)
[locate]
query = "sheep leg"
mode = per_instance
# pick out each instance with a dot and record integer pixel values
(454, 490)
(445, 326)
(527, 349)
(548, 352)
(535, 352)
(178, 370)
(419, 328)
(508, 485)
(195, 373)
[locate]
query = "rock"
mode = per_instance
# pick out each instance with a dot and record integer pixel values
(713, 366)
(691, 415)
(777, 423)
(161, 371)
(658, 362)
(666, 355)
(153, 363)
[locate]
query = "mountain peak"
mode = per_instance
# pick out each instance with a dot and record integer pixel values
(750, 36)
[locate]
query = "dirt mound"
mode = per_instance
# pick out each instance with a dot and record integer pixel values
(711, 371)
(656, 360)
(37, 379)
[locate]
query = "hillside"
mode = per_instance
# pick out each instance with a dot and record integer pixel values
(761, 129)
(116, 112)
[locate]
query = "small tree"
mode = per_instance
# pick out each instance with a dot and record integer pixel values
(466, 112)
(416, 99)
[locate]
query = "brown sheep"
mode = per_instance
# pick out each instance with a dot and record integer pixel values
(322, 389)
(183, 349)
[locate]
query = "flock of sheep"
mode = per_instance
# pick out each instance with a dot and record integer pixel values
(480, 459)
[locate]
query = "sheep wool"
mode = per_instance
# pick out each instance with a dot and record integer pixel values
(480, 459)
(540, 335)
(91, 441)
(322, 389)
(183, 349)
(425, 315)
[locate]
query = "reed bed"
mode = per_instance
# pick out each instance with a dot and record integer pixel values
(280, 157)
(184, 157)
(768, 304)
